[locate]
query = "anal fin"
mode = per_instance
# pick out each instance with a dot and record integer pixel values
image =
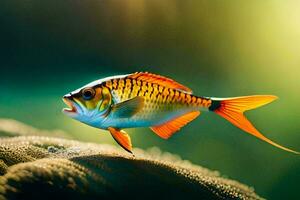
(122, 138)
(167, 129)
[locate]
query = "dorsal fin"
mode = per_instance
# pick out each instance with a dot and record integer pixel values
(161, 80)
(167, 129)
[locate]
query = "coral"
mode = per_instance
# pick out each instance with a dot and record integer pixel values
(35, 167)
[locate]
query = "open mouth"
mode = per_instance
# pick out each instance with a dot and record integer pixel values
(71, 108)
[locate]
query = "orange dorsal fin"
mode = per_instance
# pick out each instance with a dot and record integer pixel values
(122, 138)
(167, 129)
(161, 80)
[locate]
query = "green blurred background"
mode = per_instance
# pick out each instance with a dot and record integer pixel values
(217, 48)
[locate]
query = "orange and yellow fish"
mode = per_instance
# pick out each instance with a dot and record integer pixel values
(143, 99)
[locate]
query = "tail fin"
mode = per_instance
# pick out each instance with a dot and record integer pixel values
(233, 110)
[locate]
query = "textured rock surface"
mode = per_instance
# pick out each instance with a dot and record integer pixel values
(42, 167)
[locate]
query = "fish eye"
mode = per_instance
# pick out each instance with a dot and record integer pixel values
(88, 93)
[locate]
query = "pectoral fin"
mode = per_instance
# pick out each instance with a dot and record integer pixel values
(167, 129)
(128, 108)
(122, 138)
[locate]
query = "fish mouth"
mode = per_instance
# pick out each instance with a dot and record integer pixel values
(71, 107)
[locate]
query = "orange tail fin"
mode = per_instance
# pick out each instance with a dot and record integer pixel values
(233, 110)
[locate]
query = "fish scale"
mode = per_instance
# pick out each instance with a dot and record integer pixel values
(135, 88)
(157, 98)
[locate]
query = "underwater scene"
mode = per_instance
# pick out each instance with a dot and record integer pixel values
(216, 48)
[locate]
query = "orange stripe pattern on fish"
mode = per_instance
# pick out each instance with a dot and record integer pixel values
(144, 99)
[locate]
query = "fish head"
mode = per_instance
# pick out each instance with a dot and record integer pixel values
(89, 104)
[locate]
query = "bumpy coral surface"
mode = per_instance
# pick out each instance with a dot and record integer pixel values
(34, 167)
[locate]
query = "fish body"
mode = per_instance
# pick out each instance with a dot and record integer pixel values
(160, 103)
(148, 100)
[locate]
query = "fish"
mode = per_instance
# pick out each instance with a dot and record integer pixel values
(144, 99)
